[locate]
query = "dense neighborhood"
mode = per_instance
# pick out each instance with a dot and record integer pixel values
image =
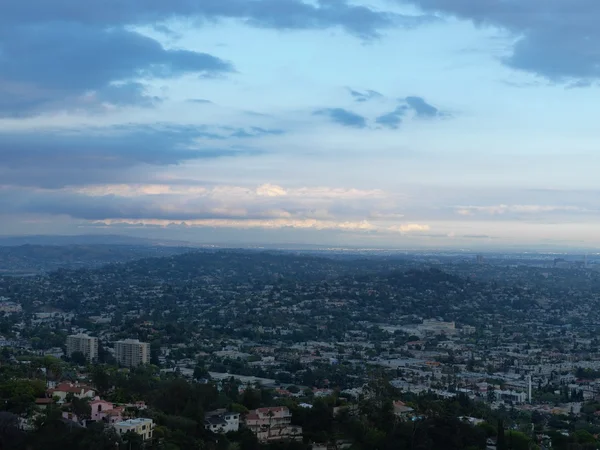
(249, 349)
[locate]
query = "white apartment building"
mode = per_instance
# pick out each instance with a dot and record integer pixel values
(132, 352)
(83, 343)
(143, 427)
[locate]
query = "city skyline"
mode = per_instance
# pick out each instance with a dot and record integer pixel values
(398, 123)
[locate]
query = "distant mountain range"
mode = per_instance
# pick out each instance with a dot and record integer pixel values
(90, 239)
(29, 255)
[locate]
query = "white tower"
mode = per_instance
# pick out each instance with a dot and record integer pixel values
(529, 390)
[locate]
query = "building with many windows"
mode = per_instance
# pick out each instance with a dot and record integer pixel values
(132, 352)
(83, 343)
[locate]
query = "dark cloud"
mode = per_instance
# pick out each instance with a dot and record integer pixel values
(421, 107)
(255, 132)
(418, 105)
(392, 119)
(278, 14)
(55, 159)
(52, 62)
(104, 207)
(557, 39)
(68, 54)
(364, 96)
(343, 117)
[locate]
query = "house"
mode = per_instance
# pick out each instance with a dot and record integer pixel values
(77, 390)
(105, 411)
(221, 421)
(143, 427)
(272, 424)
(401, 410)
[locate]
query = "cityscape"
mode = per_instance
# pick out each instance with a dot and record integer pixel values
(256, 348)
(299, 225)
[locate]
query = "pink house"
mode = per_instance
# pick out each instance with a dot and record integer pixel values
(106, 411)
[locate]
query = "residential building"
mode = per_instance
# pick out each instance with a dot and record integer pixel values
(102, 410)
(222, 421)
(271, 424)
(132, 352)
(401, 410)
(143, 427)
(511, 396)
(61, 391)
(83, 343)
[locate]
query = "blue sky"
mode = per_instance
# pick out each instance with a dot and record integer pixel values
(402, 123)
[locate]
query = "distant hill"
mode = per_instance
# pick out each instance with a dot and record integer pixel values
(32, 259)
(88, 239)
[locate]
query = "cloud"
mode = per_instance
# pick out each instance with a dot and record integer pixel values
(392, 119)
(409, 228)
(51, 158)
(68, 64)
(269, 224)
(255, 132)
(356, 19)
(502, 209)
(421, 107)
(266, 205)
(364, 96)
(200, 101)
(556, 39)
(271, 190)
(343, 117)
(418, 105)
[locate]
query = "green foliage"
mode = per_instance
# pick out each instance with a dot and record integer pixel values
(55, 434)
(517, 440)
(18, 396)
(79, 358)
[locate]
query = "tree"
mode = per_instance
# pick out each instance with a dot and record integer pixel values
(501, 441)
(518, 440)
(133, 440)
(491, 394)
(81, 408)
(101, 379)
(11, 436)
(200, 372)
(79, 358)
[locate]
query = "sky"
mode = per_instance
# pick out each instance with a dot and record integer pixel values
(370, 123)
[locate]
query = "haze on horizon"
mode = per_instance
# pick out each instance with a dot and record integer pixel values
(401, 123)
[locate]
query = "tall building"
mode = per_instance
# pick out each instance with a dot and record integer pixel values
(132, 352)
(83, 343)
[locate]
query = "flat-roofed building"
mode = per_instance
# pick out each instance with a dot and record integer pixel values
(132, 352)
(143, 427)
(83, 343)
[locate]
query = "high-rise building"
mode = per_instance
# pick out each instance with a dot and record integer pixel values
(132, 352)
(83, 343)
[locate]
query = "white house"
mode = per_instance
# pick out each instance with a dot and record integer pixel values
(61, 391)
(222, 421)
